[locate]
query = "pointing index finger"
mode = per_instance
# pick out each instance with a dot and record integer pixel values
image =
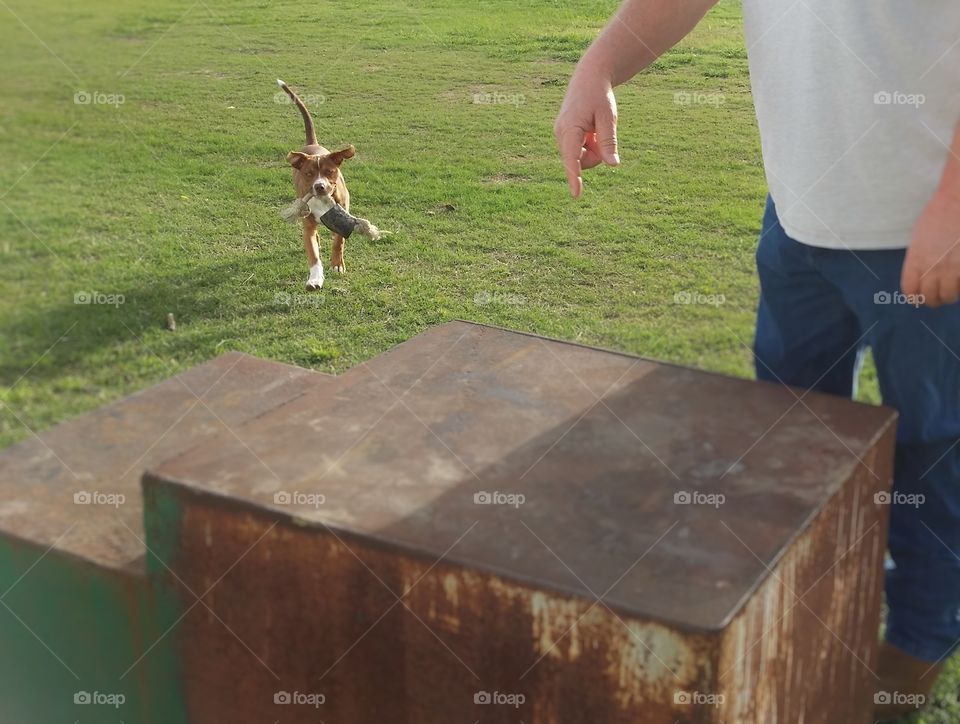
(571, 149)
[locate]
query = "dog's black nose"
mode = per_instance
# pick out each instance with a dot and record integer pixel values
(319, 188)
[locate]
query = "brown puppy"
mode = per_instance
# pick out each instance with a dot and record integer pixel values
(316, 171)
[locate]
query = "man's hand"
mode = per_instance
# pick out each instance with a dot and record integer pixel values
(932, 264)
(638, 33)
(586, 127)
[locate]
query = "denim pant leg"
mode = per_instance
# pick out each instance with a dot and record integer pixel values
(917, 353)
(806, 335)
(815, 303)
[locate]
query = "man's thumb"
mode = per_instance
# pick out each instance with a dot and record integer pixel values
(607, 141)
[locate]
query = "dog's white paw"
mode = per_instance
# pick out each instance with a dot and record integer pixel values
(315, 281)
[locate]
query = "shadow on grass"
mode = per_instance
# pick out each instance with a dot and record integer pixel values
(74, 327)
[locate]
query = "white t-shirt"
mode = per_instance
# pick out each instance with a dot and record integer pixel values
(857, 102)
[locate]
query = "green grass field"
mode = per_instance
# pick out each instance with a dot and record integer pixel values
(162, 192)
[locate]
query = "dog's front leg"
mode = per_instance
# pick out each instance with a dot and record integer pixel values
(311, 244)
(336, 254)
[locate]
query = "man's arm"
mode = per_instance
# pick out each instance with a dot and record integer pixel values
(639, 32)
(932, 264)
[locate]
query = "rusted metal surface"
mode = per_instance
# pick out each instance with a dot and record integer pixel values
(319, 616)
(101, 456)
(605, 449)
(805, 641)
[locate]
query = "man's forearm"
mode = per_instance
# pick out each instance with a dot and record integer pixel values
(639, 32)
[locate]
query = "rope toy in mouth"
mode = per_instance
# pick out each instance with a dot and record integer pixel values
(332, 215)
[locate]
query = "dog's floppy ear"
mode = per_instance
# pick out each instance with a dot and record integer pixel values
(338, 156)
(296, 158)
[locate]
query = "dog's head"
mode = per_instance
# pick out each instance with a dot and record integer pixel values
(318, 173)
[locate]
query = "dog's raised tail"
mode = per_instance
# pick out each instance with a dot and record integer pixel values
(307, 120)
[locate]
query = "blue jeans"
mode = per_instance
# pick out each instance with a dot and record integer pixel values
(819, 310)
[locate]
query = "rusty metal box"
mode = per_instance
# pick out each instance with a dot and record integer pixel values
(486, 526)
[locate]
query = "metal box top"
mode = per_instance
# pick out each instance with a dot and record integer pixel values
(76, 487)
(664, 491)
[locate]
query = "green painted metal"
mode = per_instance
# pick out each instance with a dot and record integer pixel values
(69, 629)
(166, 607)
